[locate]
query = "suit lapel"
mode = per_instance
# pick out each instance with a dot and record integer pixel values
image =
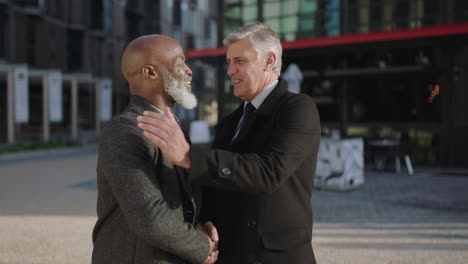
(181, 174)
(226, 128)
(139, 105)
(244, 131)
(191, 191)
(263, 112)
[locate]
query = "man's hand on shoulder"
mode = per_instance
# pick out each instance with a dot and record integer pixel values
(165, 132)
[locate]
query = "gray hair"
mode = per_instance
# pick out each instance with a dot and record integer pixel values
(262, 38)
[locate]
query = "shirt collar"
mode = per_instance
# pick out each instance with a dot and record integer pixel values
(258, 100)
(162, 113)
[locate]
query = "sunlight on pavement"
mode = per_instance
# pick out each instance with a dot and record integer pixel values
(45, 239)
(391, 243)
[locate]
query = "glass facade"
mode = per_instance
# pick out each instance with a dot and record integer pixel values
(296, 19)
(291, 19)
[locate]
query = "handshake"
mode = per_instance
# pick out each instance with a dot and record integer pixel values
(210, 230)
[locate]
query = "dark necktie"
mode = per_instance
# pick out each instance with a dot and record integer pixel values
(248, 111)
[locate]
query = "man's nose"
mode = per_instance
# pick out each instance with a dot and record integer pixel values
(231, 70)
(188, 71)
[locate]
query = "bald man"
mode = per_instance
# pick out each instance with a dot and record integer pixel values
(147, 212)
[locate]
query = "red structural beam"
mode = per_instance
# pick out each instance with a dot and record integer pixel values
(401, 34)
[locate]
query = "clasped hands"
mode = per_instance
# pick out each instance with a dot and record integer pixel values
(165, 132)
(210, 230)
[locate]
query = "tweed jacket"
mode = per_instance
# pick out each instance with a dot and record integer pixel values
(146, 210)
(260, 184)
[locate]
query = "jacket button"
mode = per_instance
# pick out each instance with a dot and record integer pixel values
(251, 223)
(174, 204)
(226, 171)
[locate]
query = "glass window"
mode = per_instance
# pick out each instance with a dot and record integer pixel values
(176, 18)
(460, 11)
(59, 8)
(75, 50)
(133, 25)
(249, 13)
(401, 14)
(375, 16)
(233, 12)
(307, 23)
(3, 32)
(289, 24)
(332, 18)
(34, 3)
(307, 18)
(231, 25)
(308, 6)
(274, 24)
(110, 50)
(431, 12)
(108, 14)
(289, 36)
(82, 11)
(52, 44)
(363, 16)
(290, 7)
(416, 13)
(271, 9)
(30, 39)
(249, 2)
(97, 17)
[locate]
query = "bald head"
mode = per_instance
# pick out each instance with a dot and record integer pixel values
(155, 69)
(147, 50)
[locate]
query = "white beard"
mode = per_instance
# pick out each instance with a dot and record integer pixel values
(177, 90)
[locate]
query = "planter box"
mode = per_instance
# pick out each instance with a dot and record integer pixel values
(340, 164)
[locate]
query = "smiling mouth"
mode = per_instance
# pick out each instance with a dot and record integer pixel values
(189, 85)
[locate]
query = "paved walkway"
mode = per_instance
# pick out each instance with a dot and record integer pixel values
(394, 218)
(47, 211)
(47, 208)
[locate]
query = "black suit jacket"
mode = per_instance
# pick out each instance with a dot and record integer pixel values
(260, 184)
(146, 210)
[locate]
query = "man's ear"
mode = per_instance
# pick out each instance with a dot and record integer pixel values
(149, 71)
(270, 61)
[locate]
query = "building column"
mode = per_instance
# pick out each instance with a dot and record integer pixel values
(344, 109)
(74, 109)
(10, 108)
(260, 10)
(97, 107)
(45, 108)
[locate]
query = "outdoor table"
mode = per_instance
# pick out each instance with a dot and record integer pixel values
(382, 148)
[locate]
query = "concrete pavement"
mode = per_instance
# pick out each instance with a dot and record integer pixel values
(47, 208)
(47, 211)
(394, 218)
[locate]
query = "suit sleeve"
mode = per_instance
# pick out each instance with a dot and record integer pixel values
(127, 158)
(295, 138)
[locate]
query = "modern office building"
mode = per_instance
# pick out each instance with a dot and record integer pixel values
(376, 68)
(60, 60)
